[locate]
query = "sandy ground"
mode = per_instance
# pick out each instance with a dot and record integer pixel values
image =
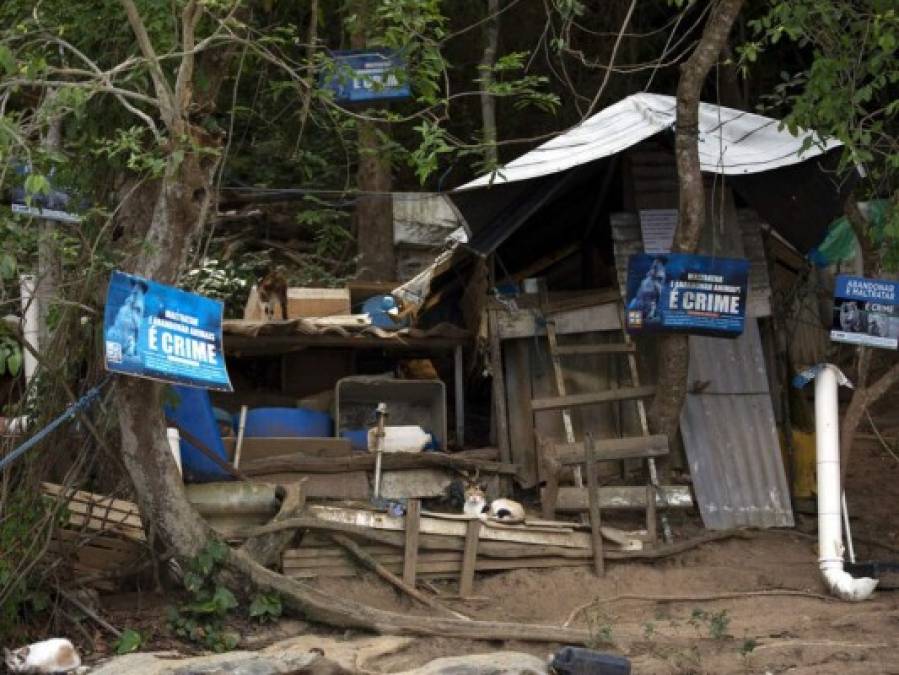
(751, 634)
(697, 633)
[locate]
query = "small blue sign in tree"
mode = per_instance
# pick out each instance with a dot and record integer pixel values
(366, 75)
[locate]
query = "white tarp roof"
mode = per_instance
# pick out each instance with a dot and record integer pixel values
(731, 142)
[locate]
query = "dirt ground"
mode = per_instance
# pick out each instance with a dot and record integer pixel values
(698, 632)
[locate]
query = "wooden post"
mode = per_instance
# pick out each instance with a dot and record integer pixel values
(592, 490)
(459, 387)
(410, 553)
(551, 469)
(469, 557)
(500, 415)
(651, 514)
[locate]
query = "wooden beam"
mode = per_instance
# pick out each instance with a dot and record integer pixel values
(410, 552)
(592, 487)
(499, 387)
(611, 449)
(469, 557)
(459, 390)
(390, 461)
(523, 323)
(624, 498)
(623, 394)
(606, 348)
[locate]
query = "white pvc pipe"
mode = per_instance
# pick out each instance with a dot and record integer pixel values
(830, 531)
(31, 323)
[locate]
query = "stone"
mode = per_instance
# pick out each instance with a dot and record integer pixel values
(496, 663)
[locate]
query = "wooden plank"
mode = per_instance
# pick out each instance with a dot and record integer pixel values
(500, 414)
(443, 570)
(517, 364)
(612, 449)
(263, 448)
(592, 487)
(468, 460)
(410, 553)
(383, 521)
(459, 391)
(606, 348)
(415, 483)
(469, 557)
(624, 498)
(651, 514)
(623, 394)
(523, 323)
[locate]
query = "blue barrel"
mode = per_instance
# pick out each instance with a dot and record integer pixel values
(581, 661)
(286, 423)
(193, 413)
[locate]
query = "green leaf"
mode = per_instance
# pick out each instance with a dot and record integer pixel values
(14, 363)
(7, 266)
(129, 641)
(7, 60)
(224, 600)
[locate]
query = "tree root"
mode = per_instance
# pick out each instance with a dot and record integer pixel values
(735, 595)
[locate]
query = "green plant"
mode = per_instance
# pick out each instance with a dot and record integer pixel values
(718, 624)
(10, 356)
(599, 627)
(649, 629)
(265, 607)
(129, 641)
(202, 620)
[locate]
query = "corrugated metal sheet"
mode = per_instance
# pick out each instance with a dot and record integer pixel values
(731, 142)
(730, 435)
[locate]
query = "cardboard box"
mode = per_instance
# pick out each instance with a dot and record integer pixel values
(303, 302)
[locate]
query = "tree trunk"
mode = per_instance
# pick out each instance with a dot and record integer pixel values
(48, 252)
(373, 217)
(862, 395)
(673, 349)
(488, 102)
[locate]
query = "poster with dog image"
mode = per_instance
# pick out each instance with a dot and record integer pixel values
(680, 293)
(866, 312)
(163, 333)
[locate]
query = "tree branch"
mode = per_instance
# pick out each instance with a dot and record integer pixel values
(163, 90)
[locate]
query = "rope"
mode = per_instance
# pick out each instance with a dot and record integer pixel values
(79, 405)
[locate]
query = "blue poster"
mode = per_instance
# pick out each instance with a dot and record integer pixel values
(57, 205)
(866, 312)
(680, 293)
(160, 332)
(367, 75)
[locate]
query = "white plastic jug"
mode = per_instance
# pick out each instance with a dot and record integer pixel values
(175, 446)
(399, 439)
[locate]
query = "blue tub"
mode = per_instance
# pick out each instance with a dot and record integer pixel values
(286, 423)
(193, 412)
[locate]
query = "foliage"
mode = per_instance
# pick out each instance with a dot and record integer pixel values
(202, 620)
(716, 622)
(265, 607)
(129, 641)
(847, 90)
(20, 593)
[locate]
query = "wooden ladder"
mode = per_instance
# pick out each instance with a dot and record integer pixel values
(571, 452)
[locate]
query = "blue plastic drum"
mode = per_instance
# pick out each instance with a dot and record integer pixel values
(286, 423)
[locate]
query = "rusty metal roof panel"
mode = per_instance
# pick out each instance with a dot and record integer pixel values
(730, 435)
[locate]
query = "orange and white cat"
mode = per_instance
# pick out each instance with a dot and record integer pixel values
(506, 510)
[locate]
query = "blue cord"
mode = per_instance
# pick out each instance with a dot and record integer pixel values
(70, 412)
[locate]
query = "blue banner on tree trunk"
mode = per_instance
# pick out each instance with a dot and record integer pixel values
(163, 333)
(679, 293)
(866, 312)
(367, 75)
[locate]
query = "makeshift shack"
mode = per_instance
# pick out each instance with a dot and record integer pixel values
(572, 211)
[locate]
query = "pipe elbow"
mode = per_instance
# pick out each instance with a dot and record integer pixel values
(846, 587)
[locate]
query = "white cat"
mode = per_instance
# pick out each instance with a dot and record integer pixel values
(56, 655)
(506, 510)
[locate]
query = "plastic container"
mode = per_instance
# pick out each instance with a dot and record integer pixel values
(378, 309)
(580, 661)
(286, 423)
(193, 413)
(358, 438)
(175, 446)
(400, 439)
(419, 403)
